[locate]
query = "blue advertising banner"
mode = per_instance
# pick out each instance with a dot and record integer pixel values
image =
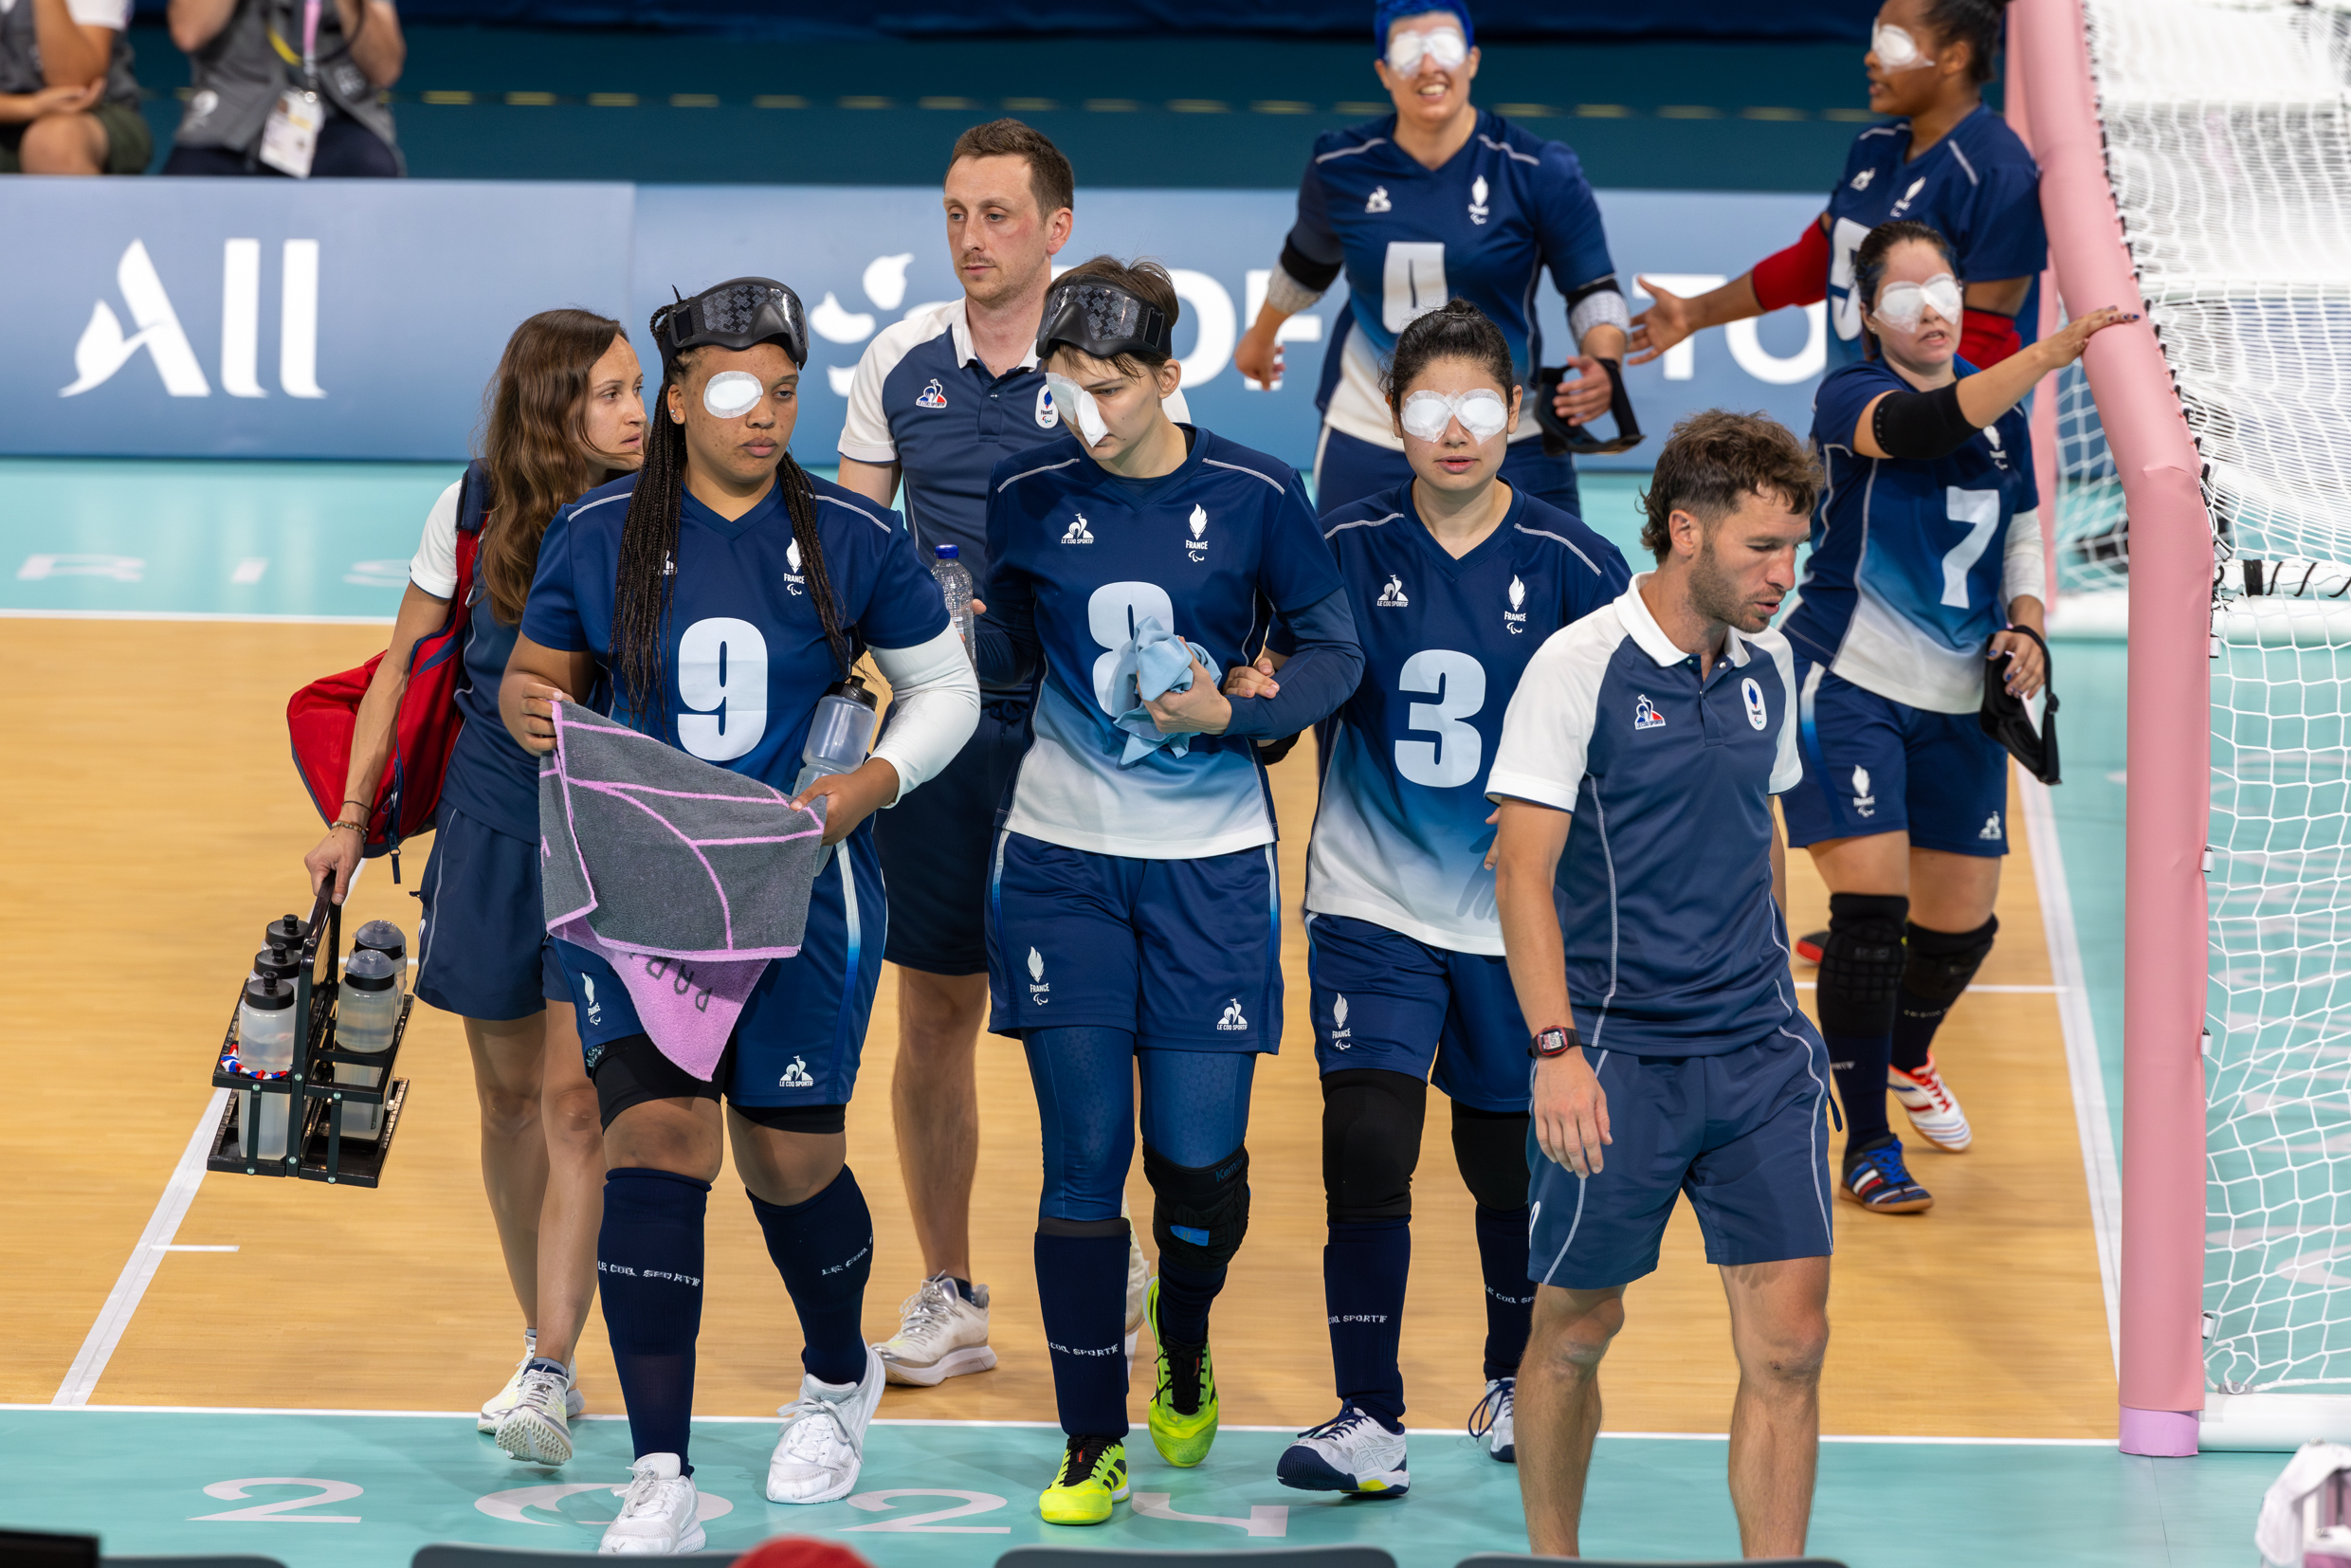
(361, 319)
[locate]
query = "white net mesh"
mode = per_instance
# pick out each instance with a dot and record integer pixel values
(2226, 147)
(2093, 546)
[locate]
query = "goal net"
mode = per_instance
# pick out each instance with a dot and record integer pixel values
(2230, 159)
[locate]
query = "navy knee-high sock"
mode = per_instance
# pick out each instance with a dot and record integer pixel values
(1858, 1063)
(1364, 1264)
(1081, 1296)
(1185, 1296)
(1509, 1295)
(650, 1276)
(824, 1250)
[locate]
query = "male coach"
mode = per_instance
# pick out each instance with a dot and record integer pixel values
(1645, 741)
(937, 400)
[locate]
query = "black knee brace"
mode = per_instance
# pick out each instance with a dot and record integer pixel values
(1372, 1121)
(1202, 1211)
(1942, 962)
(1490, 1147)
(1861, 964)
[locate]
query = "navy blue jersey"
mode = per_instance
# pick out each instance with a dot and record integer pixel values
(1400, 835)
(1977, 187)
(1904, 586)
(1483, 227)
(1674, 944)
(1215, 550)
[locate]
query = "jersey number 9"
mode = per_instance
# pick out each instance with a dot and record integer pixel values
(723, 676)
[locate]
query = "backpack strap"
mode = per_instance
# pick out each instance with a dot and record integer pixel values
(473, 510)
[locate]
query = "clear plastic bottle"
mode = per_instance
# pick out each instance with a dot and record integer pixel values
(955, 585)
(385, 937)
(365, 1010)
(266, 1025)
(276, 963)
(839, 734)
(287, 931)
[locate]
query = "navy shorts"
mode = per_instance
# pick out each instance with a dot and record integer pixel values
(1746, 1134)
(934, 846)
(802, 1033)
(481, 951)
(1347, 469)
(1383, 999)
(1873, 765)
(1185, 953)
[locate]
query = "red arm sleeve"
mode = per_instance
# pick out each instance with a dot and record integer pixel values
(1796, 275)
(1986, 337)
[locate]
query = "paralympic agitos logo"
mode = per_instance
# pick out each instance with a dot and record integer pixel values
(104, 348)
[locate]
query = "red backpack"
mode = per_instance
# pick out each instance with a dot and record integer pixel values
(322, 715)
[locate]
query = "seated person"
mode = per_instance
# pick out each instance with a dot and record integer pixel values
(245, 57)
(68, 103)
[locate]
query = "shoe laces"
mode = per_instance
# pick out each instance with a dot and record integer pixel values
(1083, 1456)
(541, 1388)
(810, 1423)
(1885, 1162)
(1348, 1420)
(927, 1312)
(1181, 1377)
(1495, 1408)
(642, 1496)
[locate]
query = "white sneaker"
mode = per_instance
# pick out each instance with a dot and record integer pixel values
(1494, 1421)
(939, 1335)
(538, 1428)
(657, 1513)
(1137, 1287)
(1934, 1109)
(823, 1444)
(1350, 1452)
(496, 1407)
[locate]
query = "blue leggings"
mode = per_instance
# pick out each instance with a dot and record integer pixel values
(1195, 1112)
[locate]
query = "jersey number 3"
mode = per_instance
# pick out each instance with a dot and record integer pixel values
(1458, 682)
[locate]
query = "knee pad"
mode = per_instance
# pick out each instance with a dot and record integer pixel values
(1860, 963)
(1372, 1122)
(1202, 1211)
(1942, 962)
(1490, 1147)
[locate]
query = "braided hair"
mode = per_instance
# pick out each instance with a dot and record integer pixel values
(648, 553)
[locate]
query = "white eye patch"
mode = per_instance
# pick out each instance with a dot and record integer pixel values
(1904, 305)
(1481, 411)
(1444, 46)
(730, 395)
(1077, 405)
(1896, 49)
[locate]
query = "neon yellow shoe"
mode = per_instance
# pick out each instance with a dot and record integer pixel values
(1184, 1406)
(1092, 1477)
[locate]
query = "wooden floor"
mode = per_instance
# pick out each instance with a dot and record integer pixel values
(155, 825)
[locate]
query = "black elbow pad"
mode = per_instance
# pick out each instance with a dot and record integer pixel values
(1313, 274)
(1920, 424)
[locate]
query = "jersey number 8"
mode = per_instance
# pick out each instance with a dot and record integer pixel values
(1112, 613)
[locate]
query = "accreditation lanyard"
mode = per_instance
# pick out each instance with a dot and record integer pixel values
(290, 139)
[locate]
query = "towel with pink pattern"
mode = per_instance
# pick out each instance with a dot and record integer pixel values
(688, 879)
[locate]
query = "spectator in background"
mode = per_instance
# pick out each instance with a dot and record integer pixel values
(247, 56)
(68, 104)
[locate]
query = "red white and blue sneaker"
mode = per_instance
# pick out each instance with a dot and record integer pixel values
(1934, 1109)
(1810, 946)
(1876, 1178)
(1350, 1452)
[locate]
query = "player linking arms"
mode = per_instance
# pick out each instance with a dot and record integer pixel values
(1640, 882)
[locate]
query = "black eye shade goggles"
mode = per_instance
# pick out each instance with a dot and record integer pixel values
(1098, 319)
(734, 314)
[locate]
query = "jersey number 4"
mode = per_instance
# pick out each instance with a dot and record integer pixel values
(1458, 682)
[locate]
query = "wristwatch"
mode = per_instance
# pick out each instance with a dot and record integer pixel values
(1551, 1042)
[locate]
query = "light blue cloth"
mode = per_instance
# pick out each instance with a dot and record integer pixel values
(1153, 662)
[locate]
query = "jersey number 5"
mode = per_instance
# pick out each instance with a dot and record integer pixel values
(1112, 615)
(722, 675)
(1459, 683)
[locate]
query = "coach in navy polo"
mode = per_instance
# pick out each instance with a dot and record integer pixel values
(938, 399)
(1641, 883)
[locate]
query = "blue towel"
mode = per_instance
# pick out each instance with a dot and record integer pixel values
(1154, 663)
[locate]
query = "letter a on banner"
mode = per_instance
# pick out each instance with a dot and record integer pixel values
(104, 349)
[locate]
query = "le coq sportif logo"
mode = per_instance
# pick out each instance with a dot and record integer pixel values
(105, 348)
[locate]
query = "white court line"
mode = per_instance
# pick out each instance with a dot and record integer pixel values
(189, 615)
(182, 1246)
(1974, 990)
(2081, 1034)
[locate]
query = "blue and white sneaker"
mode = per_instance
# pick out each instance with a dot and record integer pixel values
(1350, 1452)
(1491, 1423)
(1876, 1178)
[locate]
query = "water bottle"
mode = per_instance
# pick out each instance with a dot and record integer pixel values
(287, 931)
(266, 1045)
(276, 963)
(365, 1010)
(955, 585)
(839, 733)
(385, 937)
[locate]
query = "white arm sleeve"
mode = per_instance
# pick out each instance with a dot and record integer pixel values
(434, 568)
(1603, 307)
(101, 14)
(1286, 294)
(2022, 570)
(934, 707)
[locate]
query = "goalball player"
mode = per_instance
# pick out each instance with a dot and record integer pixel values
(940, 398)
(1641, 888)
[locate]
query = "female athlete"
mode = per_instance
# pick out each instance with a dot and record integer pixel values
(717, 598)
(1943, 160)
(566, 414)
(1455, 579)
(1925, 581)
(1134, 921)
(1437, 200)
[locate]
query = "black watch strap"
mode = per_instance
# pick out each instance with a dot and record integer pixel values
(1551, 1042)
